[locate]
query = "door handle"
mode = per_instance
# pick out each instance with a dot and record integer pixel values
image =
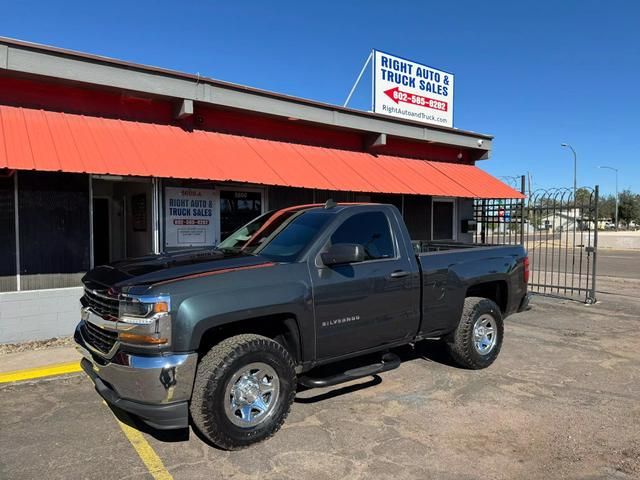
(400, 274)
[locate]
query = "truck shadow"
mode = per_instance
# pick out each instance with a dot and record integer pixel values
(337, 390)
(433, 351)
(168, 436)
(429, 350)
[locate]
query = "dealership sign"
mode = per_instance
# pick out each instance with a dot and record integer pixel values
(412, 91)
(189, 217)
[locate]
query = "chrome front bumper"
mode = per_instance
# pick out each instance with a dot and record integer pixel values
(143, 385)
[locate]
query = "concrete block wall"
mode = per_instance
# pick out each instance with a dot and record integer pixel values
(38, 314)
(619, 240)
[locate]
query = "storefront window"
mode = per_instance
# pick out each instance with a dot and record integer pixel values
(8, 282)
(238, 207)
(53, 212)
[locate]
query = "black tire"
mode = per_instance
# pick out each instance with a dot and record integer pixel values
(461, 342)
(216, 369)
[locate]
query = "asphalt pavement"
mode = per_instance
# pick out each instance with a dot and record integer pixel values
(619, 263)
(610, 263)
(562, 401)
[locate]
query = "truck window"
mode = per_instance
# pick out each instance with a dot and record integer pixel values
(259, 231)
(286, 244)
(369, 229)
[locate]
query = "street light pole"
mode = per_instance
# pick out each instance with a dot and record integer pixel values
(575, 170)
(615, 170)
(575, 202)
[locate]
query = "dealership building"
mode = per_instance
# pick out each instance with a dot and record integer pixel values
(101, 159)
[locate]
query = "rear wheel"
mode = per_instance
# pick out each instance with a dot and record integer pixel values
(477, 340)
(243, 391)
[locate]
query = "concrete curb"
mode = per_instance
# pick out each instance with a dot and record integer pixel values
(12, 362)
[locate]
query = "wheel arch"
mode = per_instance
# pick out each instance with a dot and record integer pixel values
(282, 327)
(495, 290)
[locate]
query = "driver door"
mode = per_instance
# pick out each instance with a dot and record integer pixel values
(370, 303)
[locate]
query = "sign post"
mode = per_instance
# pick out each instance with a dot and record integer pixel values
(412, 91)
(355, 85)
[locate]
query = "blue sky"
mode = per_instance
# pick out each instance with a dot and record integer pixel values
(534, 74)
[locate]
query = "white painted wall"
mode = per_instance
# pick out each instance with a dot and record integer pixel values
(39, 314)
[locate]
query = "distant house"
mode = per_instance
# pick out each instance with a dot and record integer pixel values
(565, 220)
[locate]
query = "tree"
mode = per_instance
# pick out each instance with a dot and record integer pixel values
(583, 197)
(607, 207)
(629, 207)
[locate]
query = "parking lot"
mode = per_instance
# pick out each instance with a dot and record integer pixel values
(562, 401)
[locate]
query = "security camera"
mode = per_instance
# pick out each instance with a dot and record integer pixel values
(480, 142)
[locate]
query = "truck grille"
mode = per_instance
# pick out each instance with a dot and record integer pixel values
(100, 303)
(102, 340)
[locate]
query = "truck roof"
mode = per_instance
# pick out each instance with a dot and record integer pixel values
(328, 205)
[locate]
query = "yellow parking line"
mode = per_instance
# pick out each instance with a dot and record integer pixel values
(146, 453)
(46, 371)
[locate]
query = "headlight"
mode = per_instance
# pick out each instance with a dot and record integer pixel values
(143, 310)
(144, 320)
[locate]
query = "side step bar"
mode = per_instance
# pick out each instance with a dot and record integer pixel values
(389, 361)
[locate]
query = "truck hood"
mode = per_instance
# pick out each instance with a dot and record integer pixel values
(153, 269)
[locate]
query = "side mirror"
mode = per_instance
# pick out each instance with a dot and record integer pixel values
(343, 253)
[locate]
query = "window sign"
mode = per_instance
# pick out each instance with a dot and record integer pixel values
(189, 217)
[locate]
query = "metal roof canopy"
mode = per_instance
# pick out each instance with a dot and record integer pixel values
(41, 60)
(32, 139)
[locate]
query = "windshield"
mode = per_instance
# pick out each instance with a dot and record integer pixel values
(280, 235)
(240, 237)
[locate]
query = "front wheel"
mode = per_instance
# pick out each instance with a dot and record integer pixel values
(243, 391)
(477, 340)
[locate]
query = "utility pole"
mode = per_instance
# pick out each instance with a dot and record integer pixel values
(575, 203)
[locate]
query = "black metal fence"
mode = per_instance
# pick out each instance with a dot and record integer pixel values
(499, 221)
(558, 227)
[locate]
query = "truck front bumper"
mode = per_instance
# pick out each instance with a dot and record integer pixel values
(156, 389)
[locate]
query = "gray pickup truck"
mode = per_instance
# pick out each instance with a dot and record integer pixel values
(226, 335)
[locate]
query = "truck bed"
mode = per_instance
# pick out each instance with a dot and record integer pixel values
(450, 271)
(426, 246)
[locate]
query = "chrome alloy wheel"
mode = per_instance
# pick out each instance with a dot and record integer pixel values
(251, 395)
(485, 335)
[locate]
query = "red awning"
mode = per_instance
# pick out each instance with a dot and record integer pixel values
(51, 141)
